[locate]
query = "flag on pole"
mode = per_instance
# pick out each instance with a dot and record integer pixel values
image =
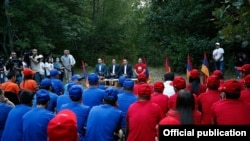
(103, 61)
(204, 68)
(83, 66)
(167, 65)
(145, 62)
(189, 66)
(85, 74)
(122, 60)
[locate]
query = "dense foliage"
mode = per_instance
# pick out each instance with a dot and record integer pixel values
(126, 29)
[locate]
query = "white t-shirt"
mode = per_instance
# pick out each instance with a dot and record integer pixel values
(48, 67)
(34, 66)
(41, 70)
(217, 53)
(24, 65)
(168, 89)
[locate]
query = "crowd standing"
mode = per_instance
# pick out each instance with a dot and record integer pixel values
(45, 100)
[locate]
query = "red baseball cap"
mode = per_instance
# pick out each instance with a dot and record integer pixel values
(218, 73)
(179, 82)
(213, 81)
(63, 127)
(247, 80)
(245, 68)
(194, 74)
(142, 77)
(144, 89)
(159, 86)
(231, 86)
(28, 71)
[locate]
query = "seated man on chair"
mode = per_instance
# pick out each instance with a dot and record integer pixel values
(126, 69)
(101, 69)
(114, 70)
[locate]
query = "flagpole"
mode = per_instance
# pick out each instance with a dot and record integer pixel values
(189, 66)
(205, 68)
(167, 65)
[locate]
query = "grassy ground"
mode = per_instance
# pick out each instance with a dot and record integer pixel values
(158, 73)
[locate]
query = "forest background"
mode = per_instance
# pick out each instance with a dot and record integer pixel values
(119, 29)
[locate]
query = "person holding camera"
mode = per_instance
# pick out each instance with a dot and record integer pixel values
(14, 64)
(35, 65)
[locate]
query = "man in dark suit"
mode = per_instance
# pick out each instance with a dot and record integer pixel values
(114, 70)
(101, 69)
(126, 69)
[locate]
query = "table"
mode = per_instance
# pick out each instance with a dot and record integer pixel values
(114, 82)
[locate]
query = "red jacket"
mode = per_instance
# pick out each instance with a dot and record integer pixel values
(231, 112)
(161, 100)
(205, 101)
(245, 95)
(142, 118)
(173, 118)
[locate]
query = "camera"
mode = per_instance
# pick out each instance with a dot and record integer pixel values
(10, 64)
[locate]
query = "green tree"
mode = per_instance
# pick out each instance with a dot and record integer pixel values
(233, 20)
(176, 28)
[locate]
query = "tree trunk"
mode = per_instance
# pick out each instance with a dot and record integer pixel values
(9, 30)
(93, 13)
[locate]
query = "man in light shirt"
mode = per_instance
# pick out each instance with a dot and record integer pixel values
(218, 56)
(35, 65)
(68, 62)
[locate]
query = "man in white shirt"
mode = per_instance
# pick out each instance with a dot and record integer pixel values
(218, 56)
(101, 69)
(68, 62)
(114, 70)
(35, 65)
(126, 69)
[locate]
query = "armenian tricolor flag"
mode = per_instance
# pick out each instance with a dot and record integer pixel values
(189, 66)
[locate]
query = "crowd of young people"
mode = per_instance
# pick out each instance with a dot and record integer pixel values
(132, 111)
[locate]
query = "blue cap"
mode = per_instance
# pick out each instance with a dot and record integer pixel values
(75, 92)
(128, 83)
(102, 87)
(54, 72)
(121, 80)
(93, 78)
(70, 84)
(76, 77)
(46, 82)
(42, 95)
(111, 93)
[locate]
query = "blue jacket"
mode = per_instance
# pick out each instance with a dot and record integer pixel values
(93, 96)
(81, 111)
(125, 99)
(35, 124)
(103, 71)
(103, 121)
(57, 86)
(13, 130)
(5, 109)
(52, 102)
